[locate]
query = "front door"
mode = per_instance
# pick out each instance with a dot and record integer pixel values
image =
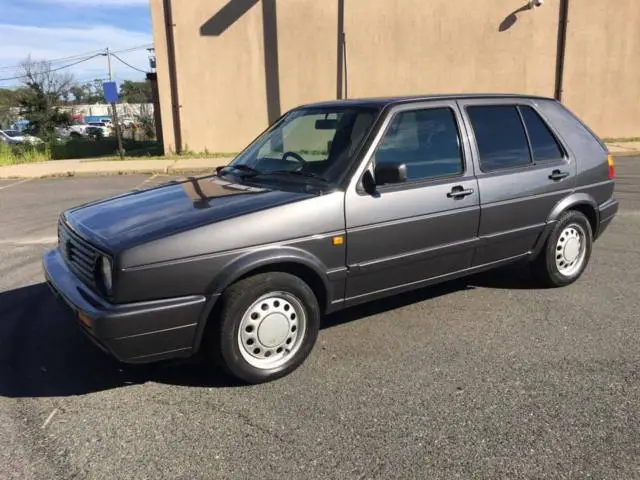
(407, 233)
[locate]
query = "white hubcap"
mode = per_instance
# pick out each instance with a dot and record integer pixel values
(272, 330)
(570, 250)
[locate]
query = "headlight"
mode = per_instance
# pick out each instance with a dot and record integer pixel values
(106, 273)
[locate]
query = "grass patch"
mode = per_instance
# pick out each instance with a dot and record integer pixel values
(15, 154)
(621, 139)
(105, 149)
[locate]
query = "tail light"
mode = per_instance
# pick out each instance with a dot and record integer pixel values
(612, 167)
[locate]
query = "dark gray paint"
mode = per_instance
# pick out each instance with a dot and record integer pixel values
(516, 202)
(166, 245)
(410, 232)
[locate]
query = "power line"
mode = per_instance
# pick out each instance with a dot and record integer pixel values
(128, 65)
(55, 69)
(80, 55)
(55, 60)
(132, 49)
(79, 82)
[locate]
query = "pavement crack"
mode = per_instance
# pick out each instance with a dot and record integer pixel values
(261, 428)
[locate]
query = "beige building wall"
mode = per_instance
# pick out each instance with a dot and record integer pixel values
(239, 63)
(164, 91)
(415, 47)
(221, 71)
(602, 65)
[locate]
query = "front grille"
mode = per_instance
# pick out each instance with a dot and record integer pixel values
(79, 255)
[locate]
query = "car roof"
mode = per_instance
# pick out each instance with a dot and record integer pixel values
(380, 102)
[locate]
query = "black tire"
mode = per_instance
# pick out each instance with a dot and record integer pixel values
(222, 341)
(544, 266)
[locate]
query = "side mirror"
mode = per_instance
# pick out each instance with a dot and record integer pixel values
(390, 173)
(368, 183)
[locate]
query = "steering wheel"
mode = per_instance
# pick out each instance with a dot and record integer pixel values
(296, 157)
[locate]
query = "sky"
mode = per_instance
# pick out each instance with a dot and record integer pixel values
(55, 29)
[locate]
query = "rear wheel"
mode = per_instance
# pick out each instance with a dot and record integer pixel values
(267, 326)
(566, 252)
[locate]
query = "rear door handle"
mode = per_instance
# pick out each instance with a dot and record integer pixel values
(558, 175)
(459, 192)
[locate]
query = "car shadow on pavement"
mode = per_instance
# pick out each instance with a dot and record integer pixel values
(43, 352)
(510, 277)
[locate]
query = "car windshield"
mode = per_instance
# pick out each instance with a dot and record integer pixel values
(308, 143)
(12, 133)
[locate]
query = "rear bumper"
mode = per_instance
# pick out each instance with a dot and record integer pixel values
(135, 332)
(606, 212)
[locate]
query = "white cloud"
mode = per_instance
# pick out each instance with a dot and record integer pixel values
(99, 3)
(48, 43)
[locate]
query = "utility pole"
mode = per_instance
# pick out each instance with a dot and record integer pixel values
(114, 110)
(109, 63)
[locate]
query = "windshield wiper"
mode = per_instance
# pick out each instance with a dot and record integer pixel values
(241, 167)
(300, 173)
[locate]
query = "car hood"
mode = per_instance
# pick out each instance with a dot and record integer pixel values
(121, 222)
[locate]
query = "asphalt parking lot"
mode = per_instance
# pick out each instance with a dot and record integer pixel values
(487, 377)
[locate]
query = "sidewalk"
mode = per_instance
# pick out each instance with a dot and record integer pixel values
(624, 148)
(63, 168)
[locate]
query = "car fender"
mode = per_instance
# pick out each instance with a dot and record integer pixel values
(571, 201)
(568, 202)
(257, 259)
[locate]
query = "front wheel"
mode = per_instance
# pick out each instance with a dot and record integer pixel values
(566, 252)
(267, 326)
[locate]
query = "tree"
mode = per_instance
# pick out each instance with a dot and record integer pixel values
(40, 98)
(87, 93)
(136, 92)
(9, 103)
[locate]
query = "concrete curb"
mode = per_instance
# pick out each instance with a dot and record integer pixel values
(112, 173)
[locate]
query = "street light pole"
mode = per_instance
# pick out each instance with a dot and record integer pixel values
(114, 110)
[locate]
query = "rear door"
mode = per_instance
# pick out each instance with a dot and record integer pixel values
(523, 170)
(426, 227)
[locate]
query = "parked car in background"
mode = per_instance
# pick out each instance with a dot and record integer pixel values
(72, 131)
(104, 127)
(336, 204)
(84, 130)
(98, 130)
(16, 137)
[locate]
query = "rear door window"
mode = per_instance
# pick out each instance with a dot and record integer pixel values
(500, 136)
(544, 146)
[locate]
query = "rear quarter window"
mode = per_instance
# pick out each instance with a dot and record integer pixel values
(544, 146)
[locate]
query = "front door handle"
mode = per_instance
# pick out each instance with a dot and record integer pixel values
(557, 175)
(459, 192)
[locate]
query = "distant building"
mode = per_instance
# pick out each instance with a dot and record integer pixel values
(227, 68)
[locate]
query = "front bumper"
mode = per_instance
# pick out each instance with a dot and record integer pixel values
(134, 332)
